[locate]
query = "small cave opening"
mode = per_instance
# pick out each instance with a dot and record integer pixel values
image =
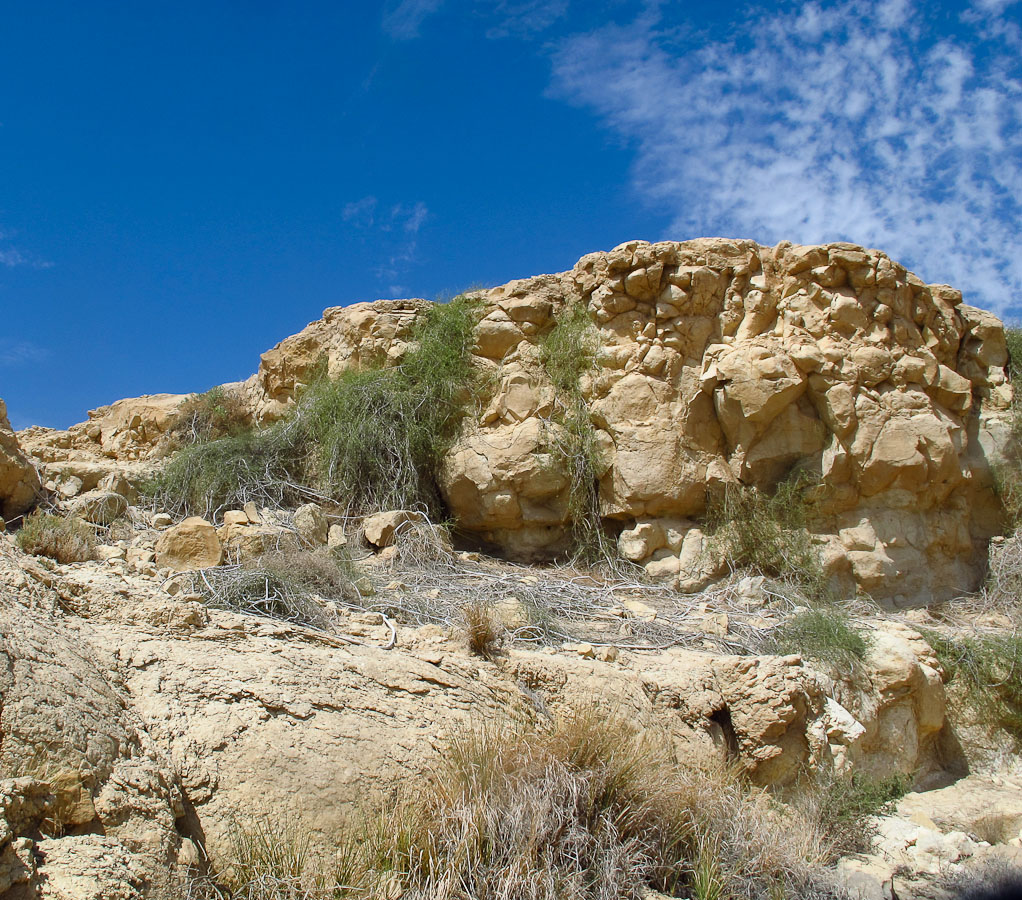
(722, 731)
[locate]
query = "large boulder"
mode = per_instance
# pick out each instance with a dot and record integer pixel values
(191, 544)
(19, 481)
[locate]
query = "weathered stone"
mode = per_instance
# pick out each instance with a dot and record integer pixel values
(99, 507)
(193, 544)
(380, 529)
(19, 481)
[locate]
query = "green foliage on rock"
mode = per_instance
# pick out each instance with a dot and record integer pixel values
(985, 671)
(65, 539)
(371, 439)
(568, 353)
(768, 532)
(825, 634)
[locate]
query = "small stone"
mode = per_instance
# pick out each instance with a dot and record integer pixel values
(336, 537)
(607, 654)
(252, 513)
(162, 520)
(235, 517)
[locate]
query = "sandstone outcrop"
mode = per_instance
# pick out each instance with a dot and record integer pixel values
(725, 361)
(19, 481)
(174, 719)
(719, 362)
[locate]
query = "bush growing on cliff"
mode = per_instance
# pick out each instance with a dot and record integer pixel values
(986, 673)
(568, 352)
(371, 439)
(217, 413)
(768, 532)
(66, 539)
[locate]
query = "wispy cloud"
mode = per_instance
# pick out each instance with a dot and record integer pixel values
(11, 257)
(19, 353)
(522, 18)
(507, 18)
(402, 22)
(398, 228)
(849, 121)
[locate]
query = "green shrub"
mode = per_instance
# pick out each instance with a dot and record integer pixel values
(281, 585)
(371, 439)
(568, 352)
(825, 634)
(844, 807)
(768, 532)
(217, 413)
(1013, 338)
(66, 539)
(986, 672)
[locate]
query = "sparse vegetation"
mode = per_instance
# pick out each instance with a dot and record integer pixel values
(568, 352)
(217, 413)
(985, 672)
(583, 807)
(752, 528)
(843, 809)
(66, 539)
(371, 439)
(482, 629)
(824, 634)
(282, 585)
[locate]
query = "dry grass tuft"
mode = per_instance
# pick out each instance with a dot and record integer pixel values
(64, 538)
(482, 629)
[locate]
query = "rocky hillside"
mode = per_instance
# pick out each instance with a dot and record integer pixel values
(226, 695)
(715, 362)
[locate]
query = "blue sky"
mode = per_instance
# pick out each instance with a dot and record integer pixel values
(184, 184)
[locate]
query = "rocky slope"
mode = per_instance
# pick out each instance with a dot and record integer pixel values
(138, 725)
(719, 362)
(137, 722)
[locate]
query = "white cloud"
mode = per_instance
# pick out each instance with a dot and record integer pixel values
(845, 121)
(19, 353)
(396, 235)
(402, 22)
(361, 213)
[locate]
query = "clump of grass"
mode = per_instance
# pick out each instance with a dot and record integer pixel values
(590, 808)
(985, 670)
(767, 531)
(584, 806)
(66, 539)
(207, 477)
(567, 353)
(823, 634)
(217, 413)
(282, 585)
(844, 807)
(482, 629)
(371, 439)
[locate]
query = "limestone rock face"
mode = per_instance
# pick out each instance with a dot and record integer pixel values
(724, 361)
(719, 362)
(192, 544)
(19, 481)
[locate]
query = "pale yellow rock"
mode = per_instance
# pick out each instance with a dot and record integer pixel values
(192, 544)
(235, 517)
(380, 528)
(19, 481)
